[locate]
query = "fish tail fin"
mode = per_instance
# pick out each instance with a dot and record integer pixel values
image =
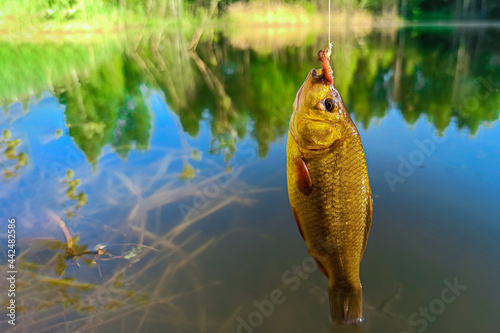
(346, 306)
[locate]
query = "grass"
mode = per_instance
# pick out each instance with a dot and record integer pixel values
(245, 14)
(59, 16)
(32, 67)
(72, 16)
(288, 15)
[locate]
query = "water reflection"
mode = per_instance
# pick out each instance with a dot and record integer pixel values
(106, 106)
(451, 73)
(143, 140)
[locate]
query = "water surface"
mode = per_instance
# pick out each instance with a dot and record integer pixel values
(174, 160)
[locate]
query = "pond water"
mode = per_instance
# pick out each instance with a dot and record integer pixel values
(166, 168)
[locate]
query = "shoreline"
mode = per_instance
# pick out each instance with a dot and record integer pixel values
(87, 30)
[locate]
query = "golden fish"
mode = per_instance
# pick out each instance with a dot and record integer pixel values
(329, 190)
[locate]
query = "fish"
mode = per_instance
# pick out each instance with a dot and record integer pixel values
(329, 189)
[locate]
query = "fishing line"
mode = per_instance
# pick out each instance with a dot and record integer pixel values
(329, 27)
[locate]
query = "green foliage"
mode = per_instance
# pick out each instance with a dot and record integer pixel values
(105, 103)
(28, 67)
(134, 122)
(129, 255)
(137, 11)
(177, 80)
(91, 108)
(109, 96)
(269, 90)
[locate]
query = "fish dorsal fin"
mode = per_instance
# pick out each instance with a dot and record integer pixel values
(304, 182)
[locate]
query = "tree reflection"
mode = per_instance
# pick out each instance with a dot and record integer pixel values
(107, 106)
(246, 89)
(448, 78)
(445, 75)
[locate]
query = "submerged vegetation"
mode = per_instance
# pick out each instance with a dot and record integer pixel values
(145, 270)
(12, 161)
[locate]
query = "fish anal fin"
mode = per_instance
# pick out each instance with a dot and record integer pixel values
(321, 267)
(304, 182)
(368, 221)
(298, 223)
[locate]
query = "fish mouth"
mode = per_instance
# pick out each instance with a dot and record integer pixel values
(299, 93)
(315, 79)
(314, 74)
(318, 78)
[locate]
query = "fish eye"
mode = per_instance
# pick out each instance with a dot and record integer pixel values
(329, 104)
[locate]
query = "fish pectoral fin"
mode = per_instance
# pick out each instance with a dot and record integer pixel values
(304, 182)
(298, 223)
